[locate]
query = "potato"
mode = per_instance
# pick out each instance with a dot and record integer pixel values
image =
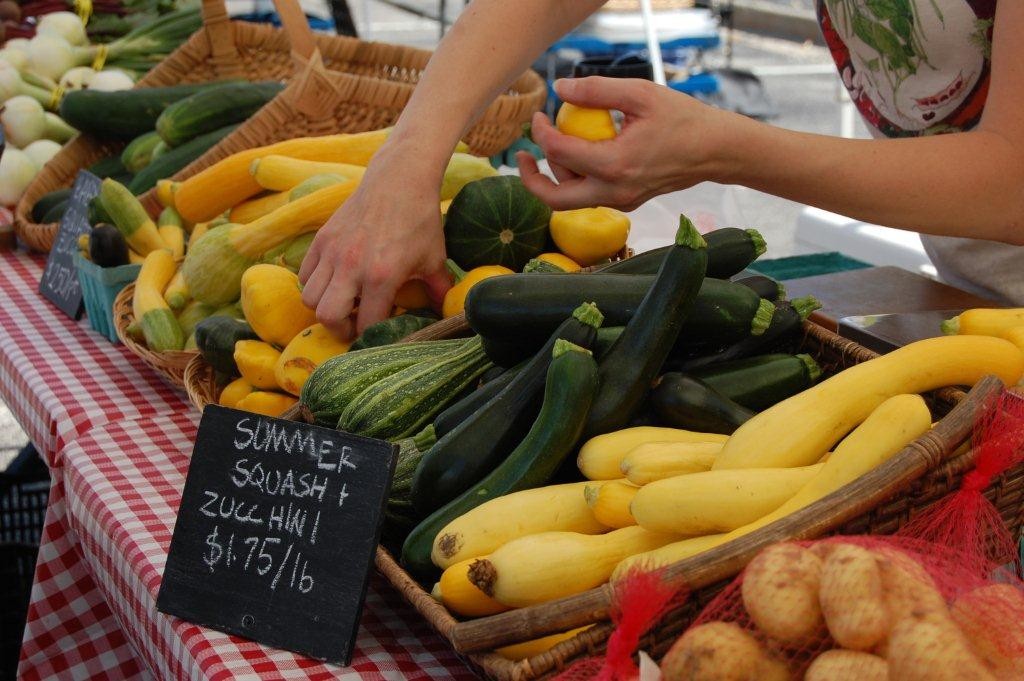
(990, 617)
(907, 588)
(780, 591)
(719, 651)
(930, 647)
(851, 598)
(847, 665)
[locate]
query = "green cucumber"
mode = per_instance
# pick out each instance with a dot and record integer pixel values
(681, 401)
(56, 212)
(759, 382)
(569, 390)
(477, 445)
(169, 163)
(109, 166)
(402, 403)
(139, 151)
(339, 380)
(392, 330)
(730, 251)
(766, 287)
(48, 201)
(516, 313)
(124, 114)
(637, 356)
(213, 108)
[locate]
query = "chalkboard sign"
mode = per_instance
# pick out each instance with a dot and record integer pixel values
(60, 280)
(277, 530)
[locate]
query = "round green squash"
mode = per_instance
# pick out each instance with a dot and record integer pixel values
(496, 221)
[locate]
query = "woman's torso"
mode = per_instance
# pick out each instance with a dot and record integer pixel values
(921, 67)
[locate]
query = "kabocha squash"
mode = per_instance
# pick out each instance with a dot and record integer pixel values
(233, 392)
(483, 529)
(550, 565)
(159, 325)
(455, 298)
(463, 169)
(601, 457)
(176, 293)
(214, 265)
(216, 337)
(496, 221)
(130, 217)
(464, 598)
(266, 403)
(227, 183)
(609, 502)
(799, 430)
(660, 460)
(272, 303)
(310, 348)
(253, 209)
(590, 235)
(283, 173)
(256, 361)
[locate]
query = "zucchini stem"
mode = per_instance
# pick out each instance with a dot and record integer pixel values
(951, 326)
(588, 314)
(805, 306)
(760, 246)
(762, 318)
(687, 234)
(563, 346)
(813, 369)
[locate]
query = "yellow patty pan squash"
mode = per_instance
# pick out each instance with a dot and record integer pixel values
(256, 361)
(589, 235)
(266, 403)
(593, 125)
(455, 299)
(233, 392)
(309, 349)
(272, 303)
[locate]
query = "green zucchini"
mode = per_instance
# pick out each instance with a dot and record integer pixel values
(107, 246)
(399, 511)
(730, 251)
(339, 380)
(766, 287)
(477, 445)
(216, 338)
(785, 325)
(759, 382)
(516, 313)
(139, 151)
(56, 212)
(125, 114)
(213, 108)
(109, 166)
(569, 389)
(402, 403)
(681, 401)
(392, 330)
(169, 163)
(48, 201)
(451, 417)
(637, 356)
(97, 214)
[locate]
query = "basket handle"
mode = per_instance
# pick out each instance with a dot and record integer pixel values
(220, 35)
(296, 27)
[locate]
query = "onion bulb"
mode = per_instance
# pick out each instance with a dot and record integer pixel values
(66, 25)
(23, 120)
(12, 84)
(56, 129)
(41, 151)
(16, 173)
(77, 78)
(50, 55)
(110, 80)
(15, 58)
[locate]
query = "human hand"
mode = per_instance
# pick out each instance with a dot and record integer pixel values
(668, 141)
(387, 233)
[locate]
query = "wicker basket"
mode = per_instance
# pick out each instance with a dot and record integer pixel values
(354, 86)
(170, 365)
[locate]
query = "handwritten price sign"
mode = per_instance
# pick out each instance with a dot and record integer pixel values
(60, 278)
(276, 532)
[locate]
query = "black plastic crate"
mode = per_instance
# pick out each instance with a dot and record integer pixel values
(22, 509)
(17, 565)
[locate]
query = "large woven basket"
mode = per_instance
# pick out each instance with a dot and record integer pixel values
(363, 86)
(170, 365)
(880, 502)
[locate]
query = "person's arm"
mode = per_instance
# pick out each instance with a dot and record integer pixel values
(963, 184)
(390, 230)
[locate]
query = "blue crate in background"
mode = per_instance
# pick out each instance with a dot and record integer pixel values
(100, 285)
(272, 18)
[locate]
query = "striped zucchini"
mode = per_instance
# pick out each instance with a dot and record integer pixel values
(336, 382)
(401, 404)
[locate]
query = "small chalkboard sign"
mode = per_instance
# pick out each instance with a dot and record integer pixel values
(60, 280)
(277, 530)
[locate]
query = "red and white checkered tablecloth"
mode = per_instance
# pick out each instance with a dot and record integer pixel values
(58, 376)
(123, 483)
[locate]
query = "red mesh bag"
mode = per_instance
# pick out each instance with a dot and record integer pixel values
(942, 599)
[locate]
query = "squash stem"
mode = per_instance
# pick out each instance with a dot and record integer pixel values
(563, 346)
(805, 306)
(760, 245)
(762, 318)
(687, 235)
(588, 314)
(813, 369)
(458, 274)
(951, 326)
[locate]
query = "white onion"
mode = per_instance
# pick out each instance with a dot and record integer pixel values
(65, 25)
(50, 55)
(15, 58)
(41, 151)
(19, 44)
(10, 81)
(111, 80)
(23, 119)
(56, 129)
(16, 173)
(77, 78)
